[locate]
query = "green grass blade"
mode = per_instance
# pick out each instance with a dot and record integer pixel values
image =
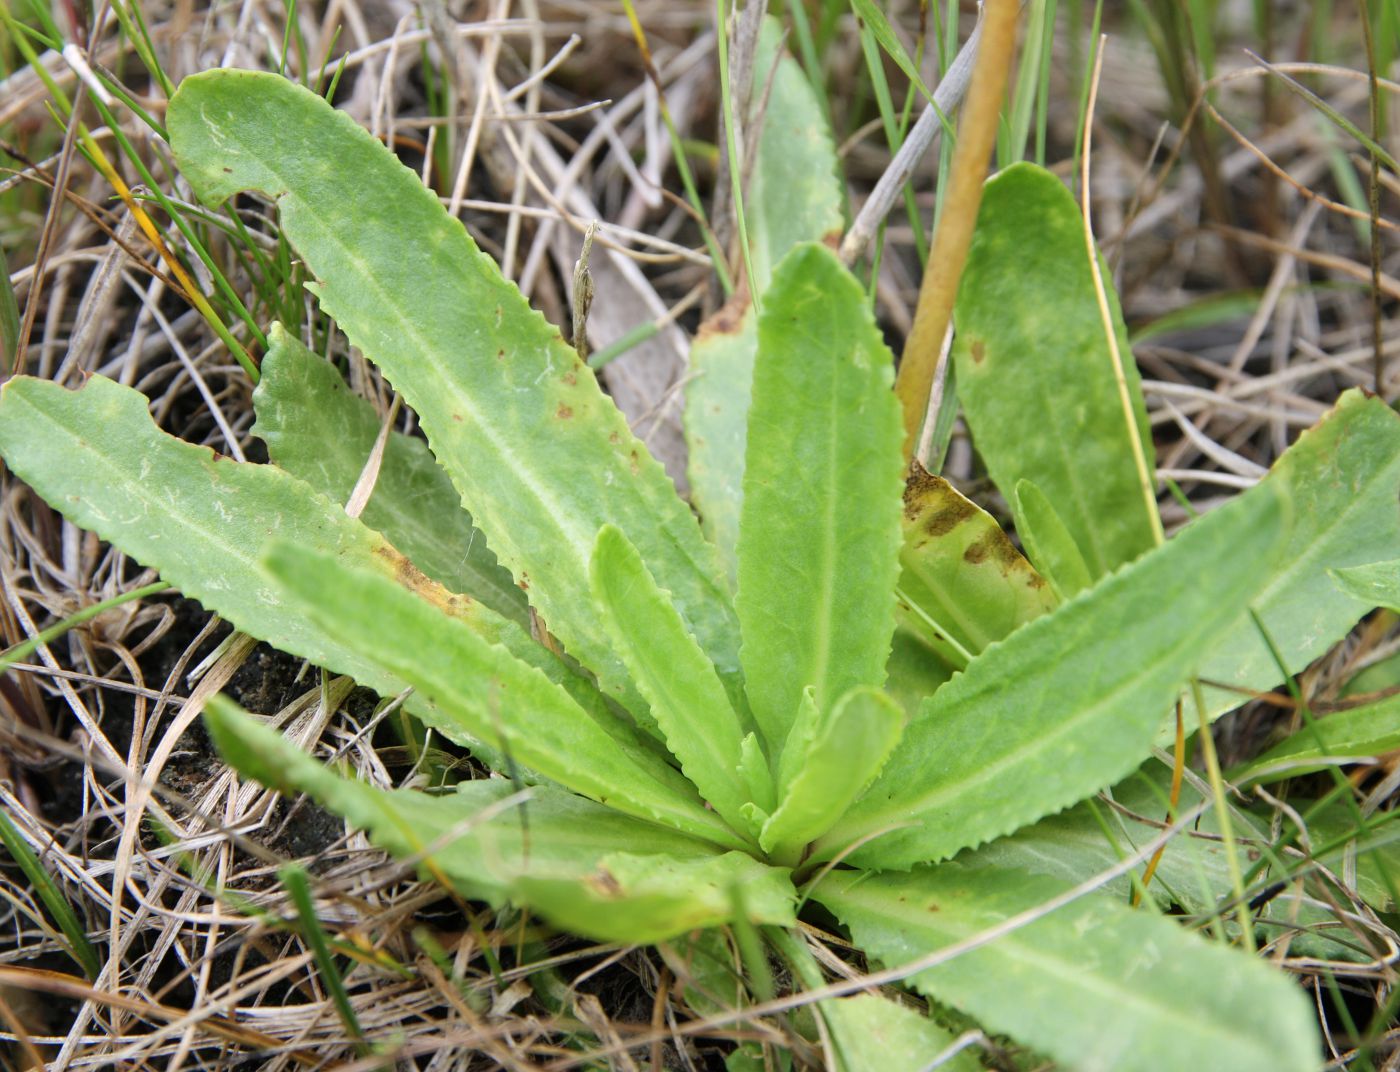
(1068, 703)
(482, 689)
(1035, 373)
(60, 911)
(23, 649)
(9, 318)
(541, 456)
(319, 431)
(298, 887)
(687, 698)
(1162, 999)
(819, 532)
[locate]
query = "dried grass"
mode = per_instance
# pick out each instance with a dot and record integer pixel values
(552, 125)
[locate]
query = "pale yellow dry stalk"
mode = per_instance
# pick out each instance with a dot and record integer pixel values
(977, 131)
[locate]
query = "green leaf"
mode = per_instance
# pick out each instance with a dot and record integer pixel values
(1343, 478)
(1357, 732)
(201, 519)
(914, 672)
(484, 690)
(845, 752)
(961, 577)
(1035, 374)
(717, 400)
(1048, 542)
(794, 192)
(634, 899)
(686, 696)
(1379, 676)
(793, 196)
(489, 847)
(9, 316)
(96, 456)
(1068, 703)
(541, 457)
(819, 533)
(874, 1034)
(320, 431)
(1377, 583)
(1092, 984)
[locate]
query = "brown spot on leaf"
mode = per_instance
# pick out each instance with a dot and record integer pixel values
(500, 354)
(614, 438)
(634, 462)
(977, 551)
(604, 882)
(726, 319)
(950, 514)
(419, 583)
(978, 349)
(457, 417)
(524, 581)
(563, 412)
(571, 377)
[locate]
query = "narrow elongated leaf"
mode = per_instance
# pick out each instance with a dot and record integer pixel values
(1048, 542)
(202, 520)
(486, 691)
(96, 456)
(1035, 374)
(872, 16)
(541, 457)
(874, 1034)
(488, 847)
(846, 751)
(686, 695)
(794, 191)
(819, 533)
(793, 196)
(1362, 731)
(1162, 998)
(1377, 583)
(318, 430)
(1068, 703)
(1343, 478)
(960, 571)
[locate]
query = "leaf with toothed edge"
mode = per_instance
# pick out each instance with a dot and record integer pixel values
(484, 690)
(541, 457)
(793, 196)
(581, 865)
(317, 429)
(1161, 996)
(1070, 702)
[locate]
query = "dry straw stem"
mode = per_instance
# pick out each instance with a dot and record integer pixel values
(977, 131)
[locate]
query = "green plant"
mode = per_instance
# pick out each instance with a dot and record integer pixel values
(881, 718)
